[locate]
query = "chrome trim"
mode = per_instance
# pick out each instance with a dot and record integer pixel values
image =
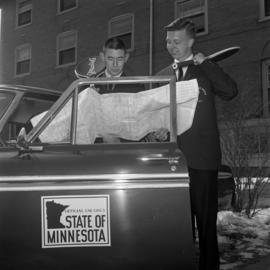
(26, 89)
(120, 176)
(224, 175)
(74, 114)
(114, 186)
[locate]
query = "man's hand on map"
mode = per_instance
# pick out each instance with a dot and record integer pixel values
(161, 134)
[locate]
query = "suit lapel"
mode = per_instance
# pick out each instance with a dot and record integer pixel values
(187, 75)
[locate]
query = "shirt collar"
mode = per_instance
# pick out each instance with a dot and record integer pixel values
(110, 76)
(188, 58)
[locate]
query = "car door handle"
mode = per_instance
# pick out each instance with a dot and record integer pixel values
(173, 160)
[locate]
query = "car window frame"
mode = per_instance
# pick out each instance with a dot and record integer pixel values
(11, 108)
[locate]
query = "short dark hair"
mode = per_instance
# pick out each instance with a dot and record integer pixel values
(180, 24)
(115, 43)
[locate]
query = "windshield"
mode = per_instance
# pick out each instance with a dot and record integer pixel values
(5, 100)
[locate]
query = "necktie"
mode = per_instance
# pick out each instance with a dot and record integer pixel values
(178, 71)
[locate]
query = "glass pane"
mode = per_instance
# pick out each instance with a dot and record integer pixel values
(23, 53)
(268, 76)
(194, 10)
(67, 41)
(24, 4)
(269, 100)
(5, 100)
(264, 143)
(268, 84)
(267, 7)
(67, 4)
(23, 67)
(67, 56)
(189, 5)
(199, 22)
(121, 25)
(58, 131)
(126, 38)
(249, 143)
(24, 18)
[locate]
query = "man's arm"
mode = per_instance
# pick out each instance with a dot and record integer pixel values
(223, 85)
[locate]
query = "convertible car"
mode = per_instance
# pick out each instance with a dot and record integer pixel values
(69, 199)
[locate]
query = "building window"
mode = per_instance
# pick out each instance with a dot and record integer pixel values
(22, 60)
(23, 12)
(67, 48)
(264, 9)
(123, 28)
(66, 5)
(266, 87)
(196, 10)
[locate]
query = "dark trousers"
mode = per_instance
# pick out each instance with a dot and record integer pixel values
(204, 207)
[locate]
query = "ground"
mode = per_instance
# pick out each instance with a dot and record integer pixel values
(242, 240)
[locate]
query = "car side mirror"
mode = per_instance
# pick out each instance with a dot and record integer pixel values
(21, 142)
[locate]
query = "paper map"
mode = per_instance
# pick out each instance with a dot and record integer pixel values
(129, 116)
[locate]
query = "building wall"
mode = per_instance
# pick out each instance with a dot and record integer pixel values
(90, 19)
(231, 23)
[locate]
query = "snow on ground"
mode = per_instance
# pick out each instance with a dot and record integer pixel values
(243, 240)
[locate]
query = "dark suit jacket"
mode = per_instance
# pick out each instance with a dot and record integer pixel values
(200, 144)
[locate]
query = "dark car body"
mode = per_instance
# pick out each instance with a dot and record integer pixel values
(65, 205)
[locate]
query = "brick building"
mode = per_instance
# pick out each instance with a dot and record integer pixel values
(41, 41)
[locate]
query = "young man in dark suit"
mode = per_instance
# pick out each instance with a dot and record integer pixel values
(200, 144)
(115, 56)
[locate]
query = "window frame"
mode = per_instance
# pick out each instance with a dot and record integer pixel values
(59, 11)
(119, 18)
(26, 45)
(193, 12)
(18, 13)
(58, 37)
(262, 16)
(266, 88)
